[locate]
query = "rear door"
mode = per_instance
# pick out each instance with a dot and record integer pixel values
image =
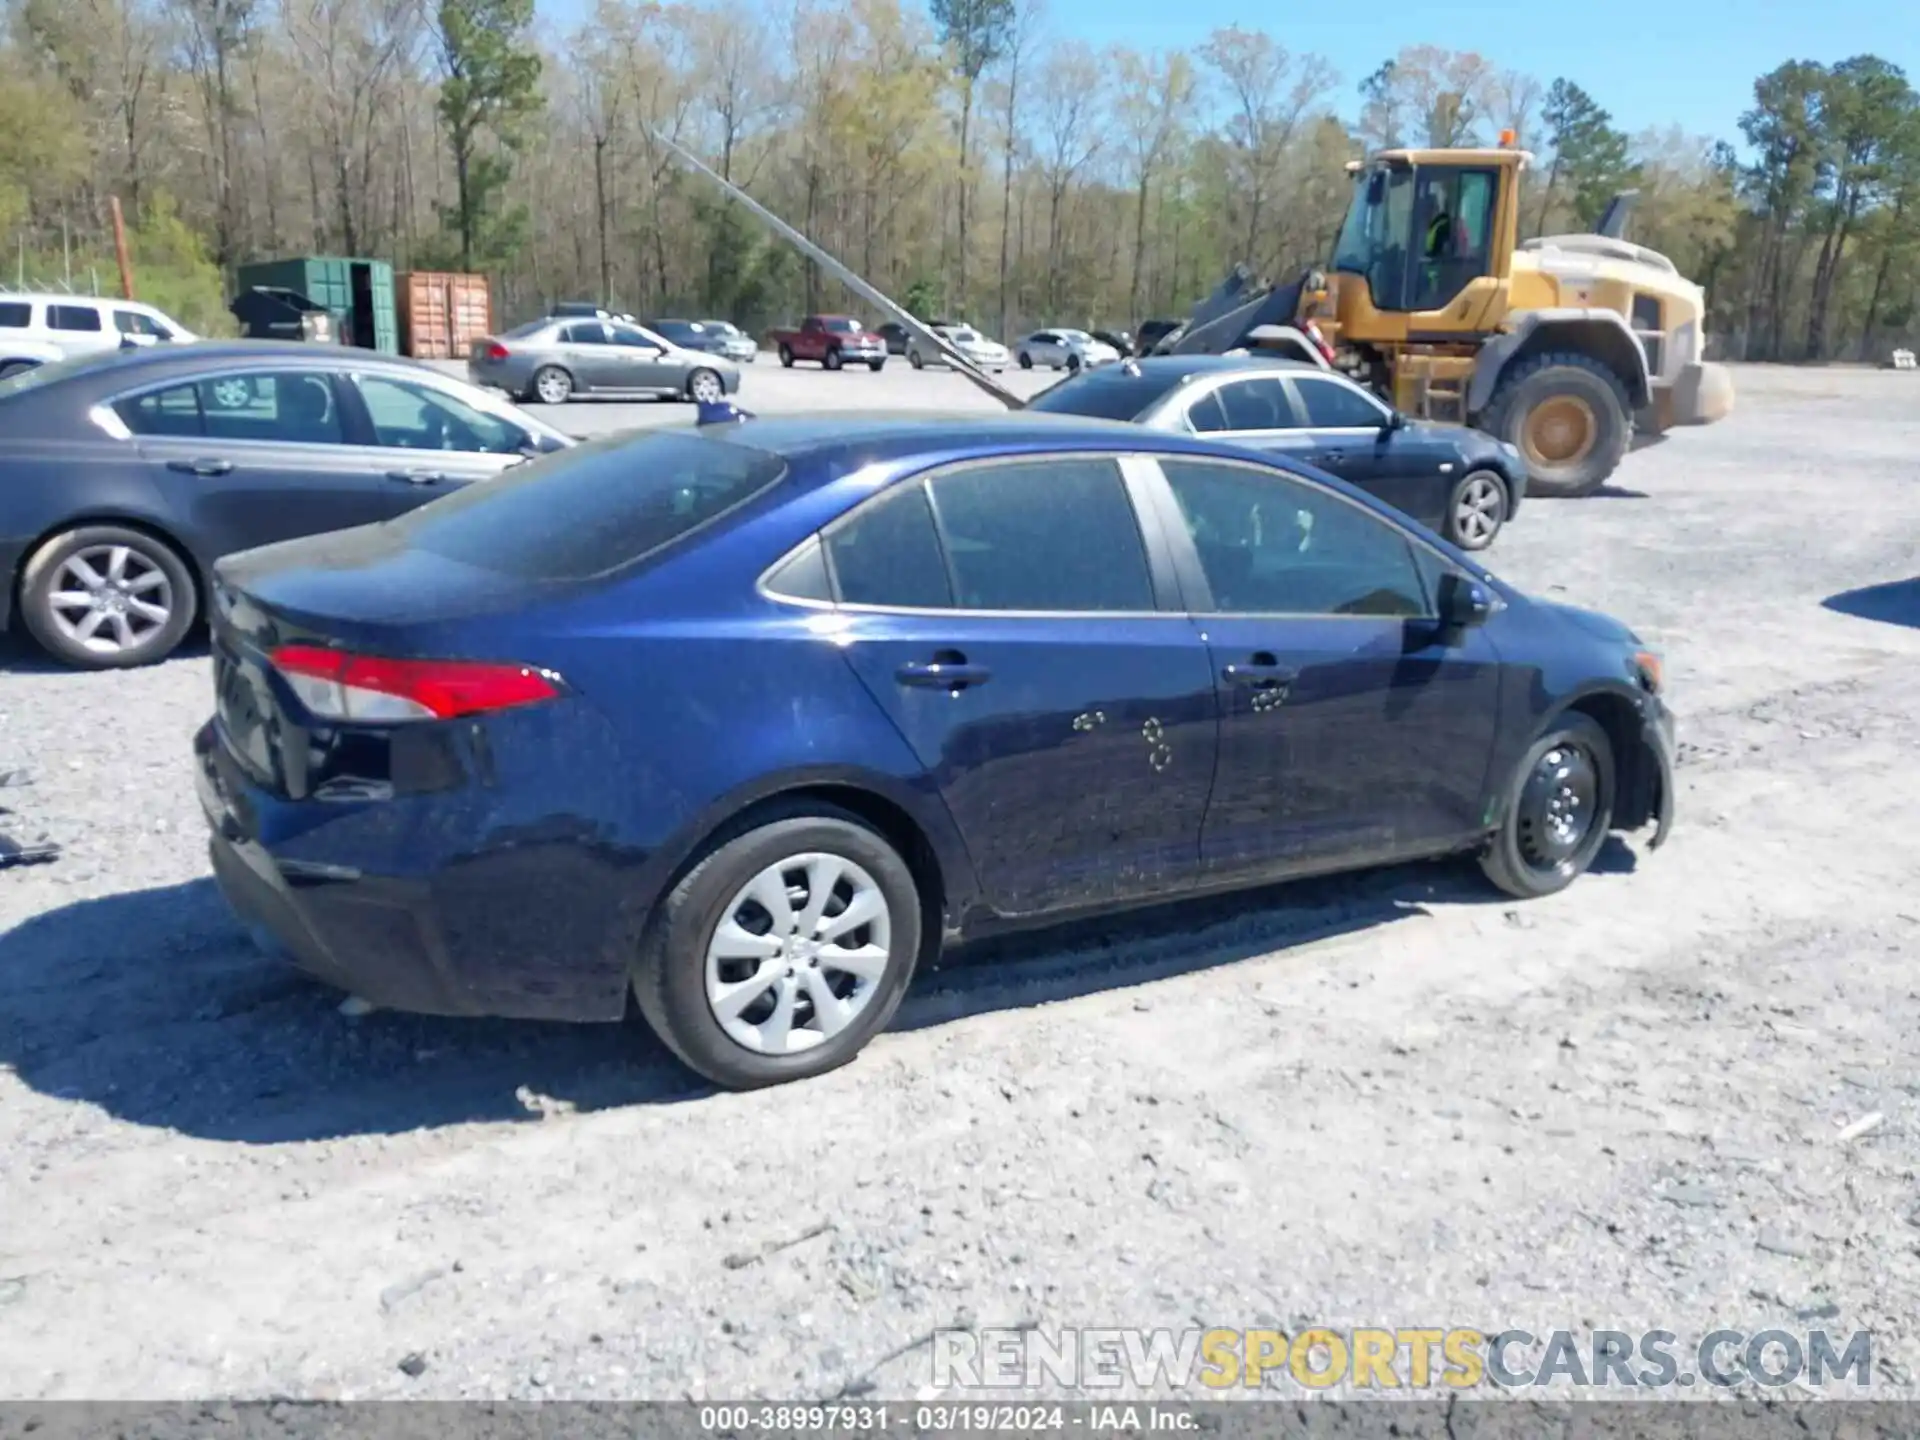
(589, 356)
(256, 456)
(1353, 438)
(429, 441)
(1013, 620)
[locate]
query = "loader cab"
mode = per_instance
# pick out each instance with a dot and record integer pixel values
(1428, 234)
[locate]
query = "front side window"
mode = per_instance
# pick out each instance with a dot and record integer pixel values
(1043, 535)
(290, 408)
(409, 416)
(633, 338)
(1271, 545)
(84, 318)
(1333, 406)
(133, 322)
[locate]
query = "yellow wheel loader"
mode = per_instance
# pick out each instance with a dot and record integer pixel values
(1560, 346)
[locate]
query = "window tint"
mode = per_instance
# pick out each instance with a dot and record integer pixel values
(842, 327)
(803, 576)
(419, 417)
(291, 408)
(1043, 535)
(1255, 405)
(1269, 545)
(14, 315)
(887, 553)
(1332, 406)
(1108, 393)
(73, 317)
(627, 335)
(589, 333)
(1206, 414)
(591, 509)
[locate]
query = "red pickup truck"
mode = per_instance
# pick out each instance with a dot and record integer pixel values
(833, 340)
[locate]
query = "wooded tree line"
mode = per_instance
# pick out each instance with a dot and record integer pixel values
(965, 156)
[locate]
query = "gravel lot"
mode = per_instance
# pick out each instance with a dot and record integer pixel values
(1390, 1100)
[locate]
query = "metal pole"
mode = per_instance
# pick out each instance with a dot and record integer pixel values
(66, 248)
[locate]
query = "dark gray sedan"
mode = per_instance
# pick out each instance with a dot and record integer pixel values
(124, 477)
(555, 360)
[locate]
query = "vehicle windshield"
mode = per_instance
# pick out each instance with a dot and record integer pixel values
(1379, 219)
(1076, 336)
(532, 327)
(842, 326)
(592, 509)
(963, 336)
(1108, 393)
(722, 327)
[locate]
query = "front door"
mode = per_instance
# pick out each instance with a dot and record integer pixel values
(1353, 436)
(428, 442)
(1353, 729)
(259, 456)
(644, 365)
(1005, 617)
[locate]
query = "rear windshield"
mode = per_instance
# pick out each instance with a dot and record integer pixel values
(1109, 393)
(592, 509)
(55, 370)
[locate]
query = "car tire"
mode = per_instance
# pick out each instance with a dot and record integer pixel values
(786, 356)
(1026, 361)
(710, 381)
(1558, 813)
(831, 360)
(682, 980)
(1477, 509)
(143, 638)
(913, 359)
(876, 366)
(11, 368)
(1529, 406)
(1073, 364)
(551, 386)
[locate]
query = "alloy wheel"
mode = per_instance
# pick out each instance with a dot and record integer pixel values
(1479, 511)
(798, 954)
(110, 598)
(706, 387)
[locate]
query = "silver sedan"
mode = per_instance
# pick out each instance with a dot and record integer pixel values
(556, 359)
(985, 353)
(1063, 350)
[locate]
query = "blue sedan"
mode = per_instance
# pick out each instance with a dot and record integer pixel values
(749, 718)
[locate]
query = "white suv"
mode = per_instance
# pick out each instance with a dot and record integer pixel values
(37, 328)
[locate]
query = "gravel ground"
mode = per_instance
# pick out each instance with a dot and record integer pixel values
(1386, 1100)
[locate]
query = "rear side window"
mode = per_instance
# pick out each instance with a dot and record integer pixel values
(592, 509)
(888, 553)
(284, 408)
(591, 333)
(1043, 535)
(73, 317)
(15, 315)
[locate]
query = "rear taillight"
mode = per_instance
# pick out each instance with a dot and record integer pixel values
(496, 351)
(374, 690)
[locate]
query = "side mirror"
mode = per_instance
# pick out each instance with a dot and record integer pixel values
(1464, 603)
(1395, 421)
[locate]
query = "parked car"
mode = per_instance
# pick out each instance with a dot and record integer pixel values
(1120, 340)
(696, 335)
(554, 361)
(742, 346)
(895, 335)
(1462, 483)
(985, 353)
(63, 326)
(1062, 350)
(833, 341)
(745, 718)
(123, 478)
(1151, 333)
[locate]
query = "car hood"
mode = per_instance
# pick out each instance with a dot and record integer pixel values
(1593, 622)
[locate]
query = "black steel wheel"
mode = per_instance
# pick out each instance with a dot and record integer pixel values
(1559, 811)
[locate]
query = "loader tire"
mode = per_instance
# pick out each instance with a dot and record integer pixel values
(1569, 417)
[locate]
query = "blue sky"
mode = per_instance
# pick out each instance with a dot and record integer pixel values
(1699, 74)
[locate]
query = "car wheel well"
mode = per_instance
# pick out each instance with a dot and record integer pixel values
(1619, 717)
(143, 527)
(893, 823)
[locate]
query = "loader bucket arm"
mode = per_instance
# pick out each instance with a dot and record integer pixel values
(1226, 319)
(846, 277)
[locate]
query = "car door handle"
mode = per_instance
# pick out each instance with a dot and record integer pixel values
(942, 674)
(1261, 672)
(416, 477)
(206, 465)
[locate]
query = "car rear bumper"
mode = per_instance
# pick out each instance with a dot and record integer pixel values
(421, 940)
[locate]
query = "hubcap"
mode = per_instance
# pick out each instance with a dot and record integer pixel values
(1557, 807)
(110, 598)
(232, 394)
(798, 954)
(1478, 515)
(706, 387)
(1560, 430)
(553, 388)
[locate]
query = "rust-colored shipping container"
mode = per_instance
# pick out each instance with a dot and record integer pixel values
(441, 314)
